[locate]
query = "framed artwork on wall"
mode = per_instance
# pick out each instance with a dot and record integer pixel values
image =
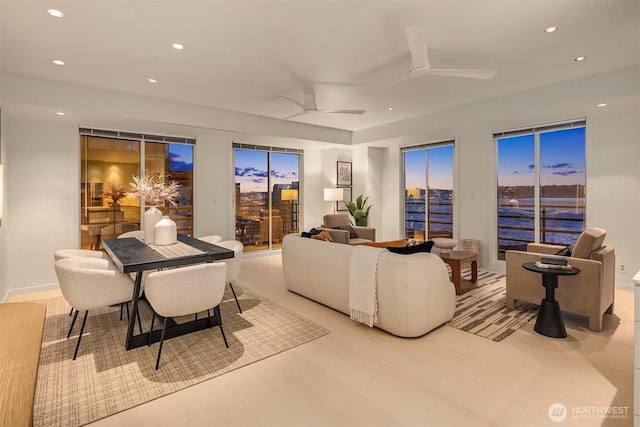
(340, 206)
(344, 174)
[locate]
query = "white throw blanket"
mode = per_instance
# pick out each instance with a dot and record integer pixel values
(363, 265)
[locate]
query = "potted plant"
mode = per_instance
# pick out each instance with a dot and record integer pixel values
(358, 211)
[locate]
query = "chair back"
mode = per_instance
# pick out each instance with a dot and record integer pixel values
(335, 220)
(68, 253)
(134, 234)
(88, 283)
(233, 264)
(212, 238)
(186, 290)
(590, 240)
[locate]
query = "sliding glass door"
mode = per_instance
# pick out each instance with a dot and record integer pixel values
(428, 184)
(541, 185)
(267, 195)
(108, 162)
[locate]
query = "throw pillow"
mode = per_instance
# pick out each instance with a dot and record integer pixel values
(350, 229)
(407, 250)
(310, 233)
(323, 235)
(566, 251)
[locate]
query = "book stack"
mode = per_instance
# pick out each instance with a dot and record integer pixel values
(553, 262)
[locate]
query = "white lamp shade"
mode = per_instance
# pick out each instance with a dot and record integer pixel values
(333, 194)
(289, 194)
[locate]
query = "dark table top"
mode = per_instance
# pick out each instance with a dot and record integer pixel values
(531, 266)
(133, 255)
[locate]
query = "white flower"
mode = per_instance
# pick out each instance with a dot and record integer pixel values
(153, 191)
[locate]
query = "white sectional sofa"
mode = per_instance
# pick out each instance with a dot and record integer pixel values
(414, 293)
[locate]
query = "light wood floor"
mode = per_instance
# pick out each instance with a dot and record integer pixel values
(357, 376)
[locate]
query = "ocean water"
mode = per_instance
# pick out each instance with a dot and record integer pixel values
(565, 216)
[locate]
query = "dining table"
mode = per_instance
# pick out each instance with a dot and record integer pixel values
(133, 255)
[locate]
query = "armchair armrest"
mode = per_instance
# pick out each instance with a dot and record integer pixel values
(366, 232)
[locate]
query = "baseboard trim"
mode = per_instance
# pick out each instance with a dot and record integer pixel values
(32, 289)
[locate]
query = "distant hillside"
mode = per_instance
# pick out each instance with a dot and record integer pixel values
(552, 191)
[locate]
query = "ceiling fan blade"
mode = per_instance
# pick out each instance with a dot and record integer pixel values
(343, 111)
(417, 47)
(472, 74)
(298, 103)
(293, 115)
(386, 85)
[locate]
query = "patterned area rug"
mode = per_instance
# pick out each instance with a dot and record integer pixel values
(483, 312)
(106, 379)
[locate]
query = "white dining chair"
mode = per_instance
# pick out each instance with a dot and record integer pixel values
(183, 291)
(212, 238)
(90, 283)
(233, 264)
(87, 253)
(134, 233)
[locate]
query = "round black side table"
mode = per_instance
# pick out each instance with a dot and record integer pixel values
(549, 321)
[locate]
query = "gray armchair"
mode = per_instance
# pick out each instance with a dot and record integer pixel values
(590, 293)
(340, 228)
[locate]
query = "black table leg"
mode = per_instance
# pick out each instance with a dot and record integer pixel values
(549, 321)
(128, 344)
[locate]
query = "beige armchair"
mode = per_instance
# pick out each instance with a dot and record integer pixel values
(590, 293)
(343, 235)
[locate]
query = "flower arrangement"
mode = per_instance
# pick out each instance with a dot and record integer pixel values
(113, 191)
(153, 191)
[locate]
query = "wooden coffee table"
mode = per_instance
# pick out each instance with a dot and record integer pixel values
(455, 260)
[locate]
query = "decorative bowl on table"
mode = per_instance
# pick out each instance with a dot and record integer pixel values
(444, 244)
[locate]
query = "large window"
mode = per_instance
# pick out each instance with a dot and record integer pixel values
(428, 183)
(541, 185)
(108, 162)
(267, 182)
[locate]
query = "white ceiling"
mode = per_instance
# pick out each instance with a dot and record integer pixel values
(243, 55)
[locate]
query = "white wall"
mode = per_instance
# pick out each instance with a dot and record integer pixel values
(42, 174)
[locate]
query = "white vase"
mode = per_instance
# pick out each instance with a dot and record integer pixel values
(166, 232)
(151, 217)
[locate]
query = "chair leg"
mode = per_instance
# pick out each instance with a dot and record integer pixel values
(164, 328)
(121, 307)
(216, 312)
(233, 291)
(71, 312)
(73, 322)
(86, 314)
(153, 318)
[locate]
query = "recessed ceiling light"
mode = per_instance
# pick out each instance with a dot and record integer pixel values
(580, 58)
(55, 12)
(551, 30)
(178, 46)
(390, 108)
(153, 81)
(58, 61)
(60, 113)
(602, 105)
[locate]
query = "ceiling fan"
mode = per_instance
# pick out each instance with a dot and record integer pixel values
(421, 66)
(310, 105)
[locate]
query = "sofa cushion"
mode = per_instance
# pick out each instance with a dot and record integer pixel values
(407, 250)
(323, 235)
(590, 240)
(349, 228)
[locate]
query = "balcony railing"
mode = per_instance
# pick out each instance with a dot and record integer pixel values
(440, 218)
(559, 224)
